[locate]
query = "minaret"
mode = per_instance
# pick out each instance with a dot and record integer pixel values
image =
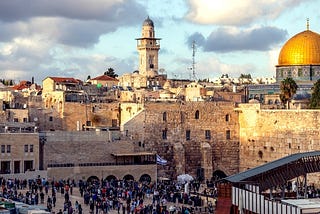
(148, 47)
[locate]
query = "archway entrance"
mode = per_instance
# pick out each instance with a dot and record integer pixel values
(145, 178)
(111, 177)
(128, 177)
(217, 175)
(93, 179)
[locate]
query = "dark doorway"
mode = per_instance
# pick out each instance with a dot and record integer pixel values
(5, 167)
(145, 178)
(111, 177)
(93, 179)
(128, 178)
(28, 165)
(16, 167)
(217, 175)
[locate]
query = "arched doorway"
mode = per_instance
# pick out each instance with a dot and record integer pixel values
(145, 178)
(128, 177)
(217, 175)
(93, 179)
(111, 177)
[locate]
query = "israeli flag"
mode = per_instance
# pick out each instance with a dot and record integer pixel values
(161, 161)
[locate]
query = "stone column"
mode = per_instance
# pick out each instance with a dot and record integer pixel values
(179, 157)
(206, 160)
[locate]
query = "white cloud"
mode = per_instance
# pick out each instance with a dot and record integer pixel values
(213, 67)
(235, 12)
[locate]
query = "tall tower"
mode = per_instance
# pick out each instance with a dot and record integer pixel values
(148, 47)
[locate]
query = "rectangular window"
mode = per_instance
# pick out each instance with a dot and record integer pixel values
(228, 134)
(15, 120)
(50, 118)
(31, 148)
(188, 133)
(208, 134)
(26, 148)
(25, 120)
(164, 134)
(8, 148)
(114, 122)
(3, 148)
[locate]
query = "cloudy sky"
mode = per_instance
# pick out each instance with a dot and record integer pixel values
(77, 38)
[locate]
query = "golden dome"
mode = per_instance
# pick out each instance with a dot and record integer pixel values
(301, 49)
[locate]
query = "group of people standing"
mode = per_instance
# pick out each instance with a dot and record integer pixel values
(105, 196)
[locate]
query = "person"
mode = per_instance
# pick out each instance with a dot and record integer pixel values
(79, 209)
(76, 205)
(49, 202)
(42, 197)
(54, 200)
(60, 212)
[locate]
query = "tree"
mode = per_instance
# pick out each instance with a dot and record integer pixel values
(315, 96)
(245, 76)
(288, 88)
(110, 72)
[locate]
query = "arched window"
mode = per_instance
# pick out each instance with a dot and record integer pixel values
(196, 115)
(227, 117)
(164, 116)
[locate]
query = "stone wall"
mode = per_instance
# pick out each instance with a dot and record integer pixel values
(100, 114)
(187, 155)
(84, 173)
(267, 135)
(82, 147)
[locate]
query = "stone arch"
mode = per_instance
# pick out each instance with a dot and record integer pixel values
(128, 177)
(217, 175)
(93, 179)
(111, 177)
(145, 178)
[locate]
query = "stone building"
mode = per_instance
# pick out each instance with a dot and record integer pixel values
(104, 80)
(299, 57)
(19, 150)
(148, 46)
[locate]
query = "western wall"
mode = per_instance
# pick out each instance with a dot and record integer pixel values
(267, 134)
(163, 128)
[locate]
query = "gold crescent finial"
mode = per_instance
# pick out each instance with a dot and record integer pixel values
(307, 23)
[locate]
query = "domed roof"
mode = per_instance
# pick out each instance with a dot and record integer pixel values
(301, 49)
(148, 22)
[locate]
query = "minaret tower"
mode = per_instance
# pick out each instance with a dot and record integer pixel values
(148, 47)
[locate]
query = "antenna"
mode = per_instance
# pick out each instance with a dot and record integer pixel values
(193, 60)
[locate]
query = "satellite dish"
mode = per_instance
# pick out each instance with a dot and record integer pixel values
(35, 119)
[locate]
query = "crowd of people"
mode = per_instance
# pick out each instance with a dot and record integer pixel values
(129, 197)
(103, 196)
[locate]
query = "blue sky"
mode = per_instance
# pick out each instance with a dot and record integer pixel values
(77, 38)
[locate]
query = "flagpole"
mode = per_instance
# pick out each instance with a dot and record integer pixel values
(156, 172)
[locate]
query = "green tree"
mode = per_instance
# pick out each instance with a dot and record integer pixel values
(245, 76)
(315, 96)
(288, 88)
(110, 72)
